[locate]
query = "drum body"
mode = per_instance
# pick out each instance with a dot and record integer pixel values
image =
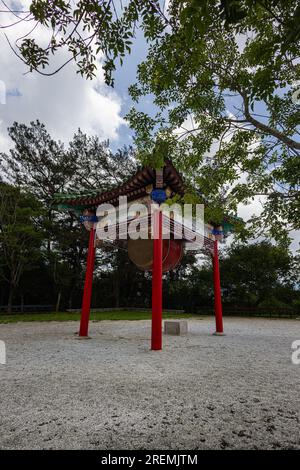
(141, 253)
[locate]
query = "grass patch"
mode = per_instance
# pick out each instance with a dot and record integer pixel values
(96, 316)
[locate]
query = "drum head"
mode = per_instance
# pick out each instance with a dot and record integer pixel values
(141, 253)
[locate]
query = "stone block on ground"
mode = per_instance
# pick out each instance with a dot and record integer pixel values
(178, 327)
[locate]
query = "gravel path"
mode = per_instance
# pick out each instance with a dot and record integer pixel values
(202, 391)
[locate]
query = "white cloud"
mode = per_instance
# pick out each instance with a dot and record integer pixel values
(5, 141)
(254, 208)
(63, 102)
(295, 244)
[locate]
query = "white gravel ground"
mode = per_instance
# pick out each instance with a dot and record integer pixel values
(111, 392)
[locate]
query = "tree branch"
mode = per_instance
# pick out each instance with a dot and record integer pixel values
(267, 129)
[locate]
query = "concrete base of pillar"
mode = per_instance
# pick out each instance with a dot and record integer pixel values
(176, 328)
(217, 333)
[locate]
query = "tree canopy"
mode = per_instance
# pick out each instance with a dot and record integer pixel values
(83, 30)
(226, 106)
(223, 75)
(87, 28)
(35, 168)
(20, 235)
(43, 251)
(259, 274)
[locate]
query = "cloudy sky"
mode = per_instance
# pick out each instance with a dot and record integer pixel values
(67, 101)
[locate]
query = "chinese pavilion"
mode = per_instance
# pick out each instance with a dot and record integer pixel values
(151, 187)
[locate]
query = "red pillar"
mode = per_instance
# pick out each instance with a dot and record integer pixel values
(88, 284)
(156, 331)
(217, 290)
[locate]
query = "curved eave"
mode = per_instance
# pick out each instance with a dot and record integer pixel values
(133, 189)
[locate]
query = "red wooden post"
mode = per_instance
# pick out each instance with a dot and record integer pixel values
(88, 284)
(156, 331)
(217, 290)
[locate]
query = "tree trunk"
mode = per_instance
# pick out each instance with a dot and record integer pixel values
(2, 297)
(49, 237)
(58, 302)
(116, 278)
(70, 301)
(22, 303)
(117, 290)
(10, 299)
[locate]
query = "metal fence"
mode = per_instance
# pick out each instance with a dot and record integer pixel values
(28, 308)
(268, 312)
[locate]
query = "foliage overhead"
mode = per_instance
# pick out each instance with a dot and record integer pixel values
(226, 104)
(224, 77)
(83, 30)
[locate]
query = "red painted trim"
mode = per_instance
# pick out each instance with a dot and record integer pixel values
(217, 290)
(88, 284)
(156, 331)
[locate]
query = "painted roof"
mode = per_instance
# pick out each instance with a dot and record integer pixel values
(134, 188)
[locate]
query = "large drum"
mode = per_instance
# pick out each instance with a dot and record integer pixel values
(141, 253)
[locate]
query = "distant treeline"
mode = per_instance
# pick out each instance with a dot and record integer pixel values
(43, 252)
